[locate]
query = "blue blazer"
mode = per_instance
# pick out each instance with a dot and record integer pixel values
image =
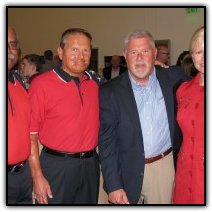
(121, 150)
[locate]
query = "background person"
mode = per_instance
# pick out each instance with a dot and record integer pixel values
(31, 67)
(163, 54)
(188, 66)
(181, 57)
(48, 57)
(115, 69)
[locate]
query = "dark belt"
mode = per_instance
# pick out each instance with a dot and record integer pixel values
(16, 167)
(158, 157)
(87, 154)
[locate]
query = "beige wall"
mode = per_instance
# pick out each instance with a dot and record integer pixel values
(40, 28)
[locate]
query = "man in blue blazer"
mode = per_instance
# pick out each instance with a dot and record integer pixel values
(139, 137)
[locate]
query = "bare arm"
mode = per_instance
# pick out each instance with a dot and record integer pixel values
(41, 185)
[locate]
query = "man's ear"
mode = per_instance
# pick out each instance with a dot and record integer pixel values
(60, 52)
(34, 67)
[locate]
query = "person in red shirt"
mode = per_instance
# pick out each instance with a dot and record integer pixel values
(19, 178)
(65, 119)
(189, 185)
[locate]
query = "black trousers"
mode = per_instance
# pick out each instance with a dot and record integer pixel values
(72, 180)
(20, 187)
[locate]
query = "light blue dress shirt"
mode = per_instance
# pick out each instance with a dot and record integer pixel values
(153, 116)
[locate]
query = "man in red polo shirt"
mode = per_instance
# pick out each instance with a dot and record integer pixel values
(65, 119)
(19, 178)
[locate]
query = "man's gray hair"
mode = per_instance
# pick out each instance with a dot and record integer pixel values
(138, 34)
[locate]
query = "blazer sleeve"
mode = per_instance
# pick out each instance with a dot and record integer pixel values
(108, 152)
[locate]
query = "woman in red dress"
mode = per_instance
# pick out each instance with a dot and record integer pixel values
(189, 186)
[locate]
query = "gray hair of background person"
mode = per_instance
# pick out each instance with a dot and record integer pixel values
(138, 34)
(73, 31)
(34, 59)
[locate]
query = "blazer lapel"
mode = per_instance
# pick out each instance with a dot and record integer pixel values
(129, 100)
(167, 91)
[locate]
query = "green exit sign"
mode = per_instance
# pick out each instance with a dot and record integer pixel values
(192, 10)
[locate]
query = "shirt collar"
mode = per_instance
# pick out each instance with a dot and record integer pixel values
(11, 77)
(66, 77)
(136, 85)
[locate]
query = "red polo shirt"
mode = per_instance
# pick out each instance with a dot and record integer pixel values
(65, 112)
(18, 123)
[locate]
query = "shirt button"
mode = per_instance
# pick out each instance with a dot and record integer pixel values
(191, 156)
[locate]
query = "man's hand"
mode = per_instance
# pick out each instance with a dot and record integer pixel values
(118, 197)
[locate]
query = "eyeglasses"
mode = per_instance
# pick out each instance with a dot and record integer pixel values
(164, 53)
(14, 45)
